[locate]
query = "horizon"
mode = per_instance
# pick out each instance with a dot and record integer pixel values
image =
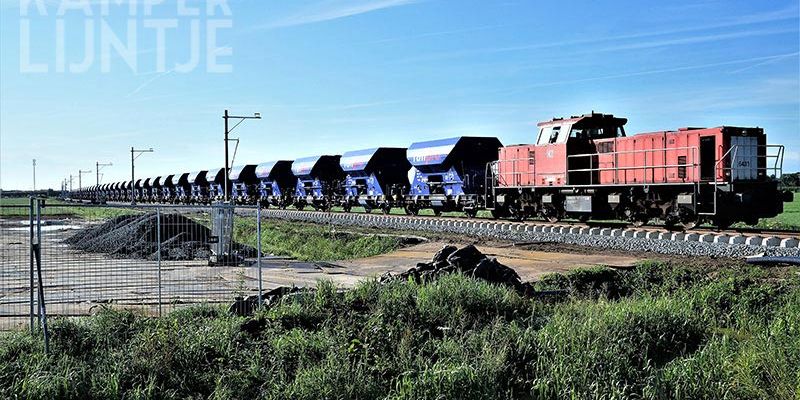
(335, 76)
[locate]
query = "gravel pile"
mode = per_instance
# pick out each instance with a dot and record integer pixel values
(136, 236)
(467, 260)
(618, 243)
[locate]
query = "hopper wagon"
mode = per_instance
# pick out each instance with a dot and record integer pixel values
(450, 174)
(198, 188)
(244, 184)
(318, 182)
(376, 178)
(276, 183)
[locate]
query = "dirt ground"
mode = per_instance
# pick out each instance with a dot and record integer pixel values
(77, 282)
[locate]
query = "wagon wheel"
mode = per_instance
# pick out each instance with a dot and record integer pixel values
(472, 212)
(722, 223)
(411, 210)
(347, 208)
(584, 218)
(639, 220)
(437, 211)
(300, 207)
(386, 209)
(368, 209)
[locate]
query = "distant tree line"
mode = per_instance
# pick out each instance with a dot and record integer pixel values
(791, 180)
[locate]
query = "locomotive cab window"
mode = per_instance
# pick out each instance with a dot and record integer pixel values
(554, 134)
(596, 132)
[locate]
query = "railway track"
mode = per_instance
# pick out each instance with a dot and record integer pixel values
(740, 242)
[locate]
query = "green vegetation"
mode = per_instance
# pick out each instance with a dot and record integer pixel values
(312, 242)
(54, 207)
(789, 219)
(658, 331)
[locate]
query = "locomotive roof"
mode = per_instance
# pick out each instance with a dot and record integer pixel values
(598, 117)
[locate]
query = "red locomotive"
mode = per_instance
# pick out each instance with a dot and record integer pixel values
(586, 167)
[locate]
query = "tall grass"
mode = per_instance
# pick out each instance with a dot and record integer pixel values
(659, 331)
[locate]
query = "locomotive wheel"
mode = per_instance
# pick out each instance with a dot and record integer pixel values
(300, 207)
(347, 208)
(583, 218)
(412, 210)
(516, 213)
(437, 212)
(497, 213)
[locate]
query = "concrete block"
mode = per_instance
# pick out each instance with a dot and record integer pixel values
(754, 240)
(616, 232)
(605, 231)
(771, 241)
(790, 242)
(707, 237)
(738, 239)
(628, 233)
(722, 239)
(575, 230)
(639, 234)
(653, 235)
(691, 237)
(595, 231)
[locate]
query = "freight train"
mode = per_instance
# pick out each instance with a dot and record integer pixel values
(583, 167)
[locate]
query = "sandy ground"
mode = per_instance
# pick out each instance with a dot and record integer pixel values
(78, 283)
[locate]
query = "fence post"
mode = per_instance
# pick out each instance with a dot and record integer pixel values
(158, 247)
(258, 249)
(30, 221)
(38, 254)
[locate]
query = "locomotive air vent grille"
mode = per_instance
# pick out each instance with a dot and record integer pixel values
(605, 147)
(682, 168)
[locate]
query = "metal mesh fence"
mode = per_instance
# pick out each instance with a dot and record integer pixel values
(153, 259)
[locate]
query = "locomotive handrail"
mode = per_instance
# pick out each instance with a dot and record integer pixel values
(616, 168)
(719, 167)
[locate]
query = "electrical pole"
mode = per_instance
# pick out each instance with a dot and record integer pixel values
(80, 176)
(34, 176)
(70, 183)
(227, 131)
(134, 155)
(98, 166)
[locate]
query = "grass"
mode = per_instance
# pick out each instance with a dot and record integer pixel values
(658, 331)
(789, 219)
(55, 207)
(312, 242)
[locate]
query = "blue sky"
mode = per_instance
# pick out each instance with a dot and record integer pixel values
(332, 76)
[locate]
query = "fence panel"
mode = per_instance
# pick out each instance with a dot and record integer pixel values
(153, 259)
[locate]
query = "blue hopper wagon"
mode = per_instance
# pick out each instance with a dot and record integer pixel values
(450, 174)
(318, 181)
(155, 190)
(182, 188)
(216, 183)
(168, 189)
(138, 190)
(244, 184)
(276, 183)
(376, 178)
(198, 187)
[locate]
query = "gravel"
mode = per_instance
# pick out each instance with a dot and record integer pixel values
(136, 236)
(661, 246)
